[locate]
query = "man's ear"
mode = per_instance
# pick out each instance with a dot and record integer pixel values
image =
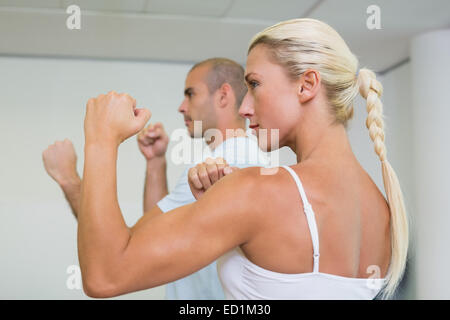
(225, 95)
(308, 85)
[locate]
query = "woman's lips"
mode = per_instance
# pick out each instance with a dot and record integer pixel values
(254, 128)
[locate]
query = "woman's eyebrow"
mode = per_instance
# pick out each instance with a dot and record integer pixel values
(248, 75)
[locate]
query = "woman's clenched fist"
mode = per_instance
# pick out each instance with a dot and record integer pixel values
(112, 118)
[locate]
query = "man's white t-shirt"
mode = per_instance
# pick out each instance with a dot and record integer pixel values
(239, 152)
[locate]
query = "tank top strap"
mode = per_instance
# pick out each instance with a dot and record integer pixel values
(309, 217)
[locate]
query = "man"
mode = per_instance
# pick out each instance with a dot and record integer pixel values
(214, 90)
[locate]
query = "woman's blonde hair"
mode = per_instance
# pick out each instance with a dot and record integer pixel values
(302, 44)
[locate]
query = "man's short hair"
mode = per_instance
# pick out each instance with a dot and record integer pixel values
(223, 70)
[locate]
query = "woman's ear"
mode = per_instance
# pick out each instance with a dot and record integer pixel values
(308, 85)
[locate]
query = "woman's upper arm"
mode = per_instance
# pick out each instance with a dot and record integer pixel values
(179, 242)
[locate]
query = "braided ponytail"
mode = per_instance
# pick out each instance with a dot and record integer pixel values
(371, 89)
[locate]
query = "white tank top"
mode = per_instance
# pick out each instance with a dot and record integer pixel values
(242, 279)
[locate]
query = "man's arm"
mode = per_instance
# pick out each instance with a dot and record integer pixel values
(72, 192)
(155, 187)
(60, 162)
(152, 142)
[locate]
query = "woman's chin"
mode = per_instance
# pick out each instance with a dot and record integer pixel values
(267, 146)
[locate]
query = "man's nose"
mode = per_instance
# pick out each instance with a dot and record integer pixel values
(183, 107)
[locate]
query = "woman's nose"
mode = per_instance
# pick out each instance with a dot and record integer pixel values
(246, 109)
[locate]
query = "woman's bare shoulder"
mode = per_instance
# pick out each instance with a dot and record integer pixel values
(249, 186)
(260, 187)
(258, 178)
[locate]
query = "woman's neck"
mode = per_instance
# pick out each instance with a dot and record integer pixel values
(319, 143)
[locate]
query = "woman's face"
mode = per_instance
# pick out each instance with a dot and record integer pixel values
(271, 102)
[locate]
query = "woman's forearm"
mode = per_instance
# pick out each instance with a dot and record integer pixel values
(102, 231)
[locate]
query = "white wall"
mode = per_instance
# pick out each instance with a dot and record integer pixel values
(43, 100)
(430, 68)
(417, 110)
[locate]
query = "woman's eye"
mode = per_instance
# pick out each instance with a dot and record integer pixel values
(253, 84)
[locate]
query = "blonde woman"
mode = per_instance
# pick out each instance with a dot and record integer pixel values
(320, 229)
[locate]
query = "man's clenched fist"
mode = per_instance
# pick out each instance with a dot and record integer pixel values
(205, 174)
(153, 141)
(60, 162)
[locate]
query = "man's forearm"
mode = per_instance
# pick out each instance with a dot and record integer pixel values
(155, 187)
(72, 192)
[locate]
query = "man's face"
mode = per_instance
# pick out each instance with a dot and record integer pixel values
(198, 103)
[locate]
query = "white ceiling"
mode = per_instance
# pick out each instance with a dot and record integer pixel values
(191, 30)
(253, 9)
